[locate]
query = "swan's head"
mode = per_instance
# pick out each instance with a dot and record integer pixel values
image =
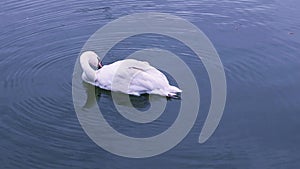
(90, 63)
(90, 59)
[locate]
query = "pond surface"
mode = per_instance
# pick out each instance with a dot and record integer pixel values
(258, 43)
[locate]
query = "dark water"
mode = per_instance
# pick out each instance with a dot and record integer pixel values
(257, 42)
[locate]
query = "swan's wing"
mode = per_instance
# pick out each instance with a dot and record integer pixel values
(133, 77)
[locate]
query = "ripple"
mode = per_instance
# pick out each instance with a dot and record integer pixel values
(41, 124)
(40, 41)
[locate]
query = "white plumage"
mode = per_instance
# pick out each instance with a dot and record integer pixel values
(127, 76)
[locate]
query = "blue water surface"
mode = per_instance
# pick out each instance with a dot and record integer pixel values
(258, 43)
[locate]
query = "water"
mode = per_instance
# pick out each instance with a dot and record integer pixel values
(257, 42)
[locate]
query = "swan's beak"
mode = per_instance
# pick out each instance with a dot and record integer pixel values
(99, 64)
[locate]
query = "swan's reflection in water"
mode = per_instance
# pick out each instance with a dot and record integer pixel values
(141, 103)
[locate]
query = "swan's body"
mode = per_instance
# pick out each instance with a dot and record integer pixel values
(127, 76)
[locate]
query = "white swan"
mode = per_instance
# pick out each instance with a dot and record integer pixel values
(128, 76)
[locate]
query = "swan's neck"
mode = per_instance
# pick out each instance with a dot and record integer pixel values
(89, 63)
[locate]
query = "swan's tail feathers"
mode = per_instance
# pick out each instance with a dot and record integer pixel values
(174, 92)
(174, 89)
